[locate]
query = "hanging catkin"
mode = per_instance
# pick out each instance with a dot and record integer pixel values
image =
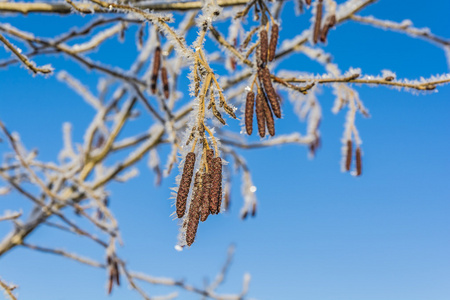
(260, 114)
(348, 158)
(185, 184)
(249, 107)
(264, 46)
(209, 157)
(269, 118)
(216, 185)
(205, 196)
(155, 70)
(330, 22)
(194, 210)
(318, 22)
(264, 76)
(273, 42)
(358, 162)
(165, 81)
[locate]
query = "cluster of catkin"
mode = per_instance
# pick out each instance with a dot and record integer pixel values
(321, 32)
(206, 196)
(158, 67)
(349, 156)
(267, 100)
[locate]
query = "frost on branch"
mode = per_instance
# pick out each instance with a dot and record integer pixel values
(184, 120)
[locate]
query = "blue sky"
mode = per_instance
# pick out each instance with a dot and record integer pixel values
(319, 234)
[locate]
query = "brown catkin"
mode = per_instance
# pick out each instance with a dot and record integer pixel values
(260, 113)
(318, 22)
(205, 196)
(358, 162)
(216, 185)
(116, 273)
(209, 157)
(165, 81)
(308, 2)
(254, 209)
(249, 107)
(348, 157)
(273, 42)
(331, 21)
(155, 71)
(264, 46)
(185, 184)
(110, 282)
(194, 210)
(264, 76)
(269, 118)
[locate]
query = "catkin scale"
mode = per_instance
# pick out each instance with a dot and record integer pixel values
(194, 211)
(155, 70)
(205, 196)
(249, 107)
(165, 82)
(273, 42)
(264, 76)
(264, 46)
(269, 117)
(185, 184)
(318, 22)
(209, 157)
(358, 162)
(348, 158)
(260, 114)
(216, 185)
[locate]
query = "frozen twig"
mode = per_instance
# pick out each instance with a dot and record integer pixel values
(29, 64)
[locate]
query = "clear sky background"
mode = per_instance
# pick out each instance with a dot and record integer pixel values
(319, 234)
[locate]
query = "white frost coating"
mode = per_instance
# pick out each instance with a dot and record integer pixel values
(9, 27)
(248, 192)
(447, 54)
(80, 89)
(233, 31)
(97, 39)
(292, 43)
(352, 71)
(20, 147)
(153, 159)
(145, 53)
(316, 54)
(387, 74)
(4, 190)
(246, 283)
(171, 161)
(349, 7)
(330, 7)
(8, 214)
(133, 172)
